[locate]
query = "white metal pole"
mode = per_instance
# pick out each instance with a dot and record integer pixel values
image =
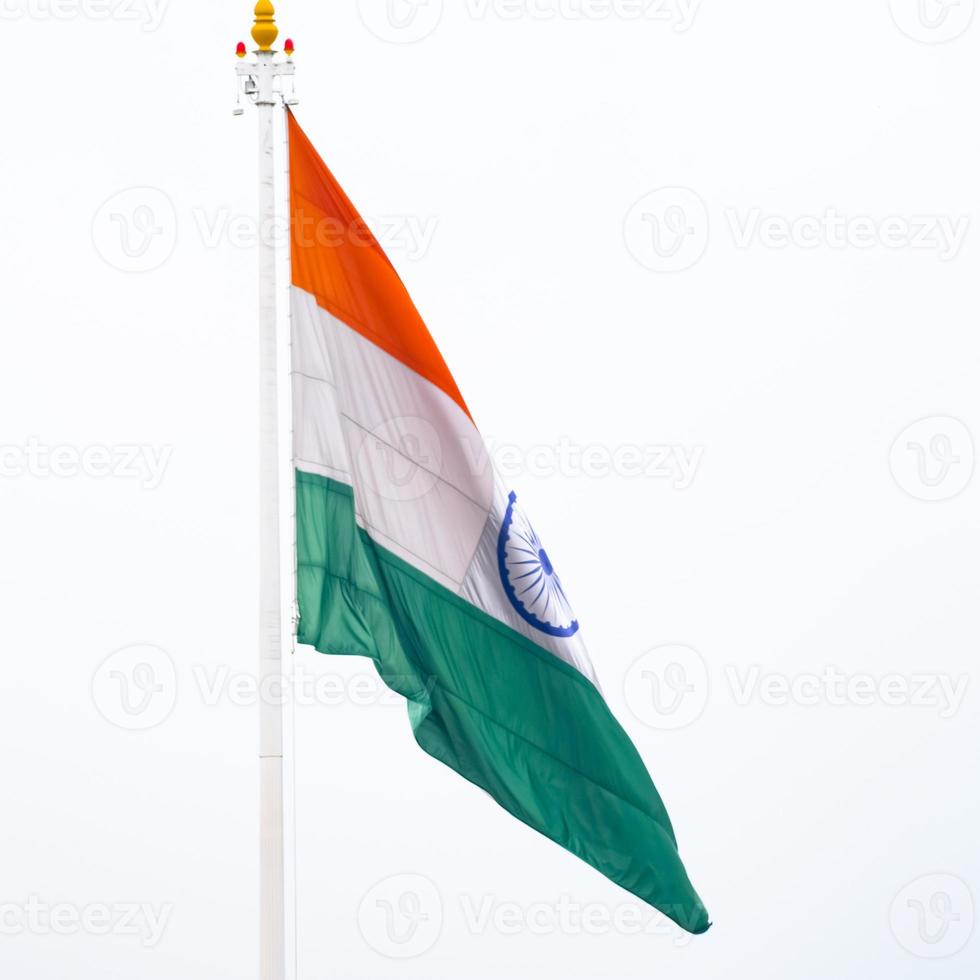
(259, 76)
(272, 887)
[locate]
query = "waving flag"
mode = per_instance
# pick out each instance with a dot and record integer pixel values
(411, 552)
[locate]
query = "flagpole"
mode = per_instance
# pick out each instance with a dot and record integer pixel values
(259, 85)
(272, 854)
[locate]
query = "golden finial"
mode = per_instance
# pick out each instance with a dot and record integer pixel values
(264, 30)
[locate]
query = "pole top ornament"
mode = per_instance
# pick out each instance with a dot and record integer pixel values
(264, 30)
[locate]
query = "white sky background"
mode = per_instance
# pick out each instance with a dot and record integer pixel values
(830, 830)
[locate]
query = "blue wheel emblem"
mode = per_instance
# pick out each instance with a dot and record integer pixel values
(529, 578)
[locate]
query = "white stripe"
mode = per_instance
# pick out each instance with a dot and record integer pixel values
(404, 445)
(424, 487)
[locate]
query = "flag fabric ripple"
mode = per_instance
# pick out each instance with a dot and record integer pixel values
(411, 552)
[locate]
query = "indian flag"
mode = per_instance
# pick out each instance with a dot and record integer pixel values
(412, 552)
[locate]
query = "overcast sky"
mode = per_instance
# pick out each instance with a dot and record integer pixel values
(706, 275)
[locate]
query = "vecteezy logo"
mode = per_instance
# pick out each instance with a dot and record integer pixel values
(932, 917)
(401, 459)
(667, 688)
(401, 917)
(529, 578)
(136, 688)
(932, 21)
(136, 229)
(401, 21)
(933, 459)
(667, 229)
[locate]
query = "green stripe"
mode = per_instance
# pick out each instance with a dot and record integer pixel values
(502, 712)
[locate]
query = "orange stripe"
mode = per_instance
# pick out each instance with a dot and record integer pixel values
(337, 259)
